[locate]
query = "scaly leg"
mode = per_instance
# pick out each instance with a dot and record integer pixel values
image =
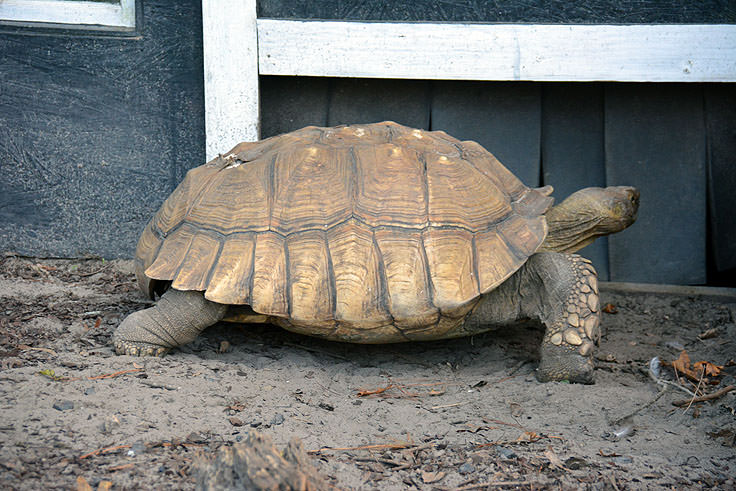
(570, 313)
(176, 319)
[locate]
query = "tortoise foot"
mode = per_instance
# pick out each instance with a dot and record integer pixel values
(138, 349)
(569, 343)
(130, 338)
(561, 364)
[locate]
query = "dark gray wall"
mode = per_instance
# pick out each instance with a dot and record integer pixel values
(95, 132)
(515, 11)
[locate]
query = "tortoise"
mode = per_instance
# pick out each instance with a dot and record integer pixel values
(373, 233)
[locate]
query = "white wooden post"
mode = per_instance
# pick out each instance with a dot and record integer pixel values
(230, 74)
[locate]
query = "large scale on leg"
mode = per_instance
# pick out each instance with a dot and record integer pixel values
(374, 233)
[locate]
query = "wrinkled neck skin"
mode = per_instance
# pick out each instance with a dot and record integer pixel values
(588, 214)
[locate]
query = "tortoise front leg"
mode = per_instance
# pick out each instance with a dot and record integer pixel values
(176, 319)
(559, 290)
(567, 286)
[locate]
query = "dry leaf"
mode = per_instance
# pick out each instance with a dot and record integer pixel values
(529, 436)
(82, 484)
(554, 460)
(430, 477)
(436, 392)
(682, 364)
(710, 368)
(236, 406)
(104, 486)
(609, 308)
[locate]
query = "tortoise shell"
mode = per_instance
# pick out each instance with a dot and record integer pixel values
(364, 233)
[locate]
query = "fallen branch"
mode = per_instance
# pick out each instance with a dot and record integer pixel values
(702, 374)
(378, 446)
(116, 374)
(372, 392)
(642, 408)
(50, 374)
(490, 484)
(401, 388)
(104, 450)
(24, 347)
(444, 406)
(499, 422)
(526, 437)
(707, 397)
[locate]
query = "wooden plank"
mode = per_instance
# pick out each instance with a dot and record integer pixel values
(572, 149)
(720, 104)
(445, 51)
(230, 48)
(504, 118)
(70, 13)
(291, 103)
(655, 140)
(370, 101)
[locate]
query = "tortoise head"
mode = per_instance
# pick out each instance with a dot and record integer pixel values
(588, 214)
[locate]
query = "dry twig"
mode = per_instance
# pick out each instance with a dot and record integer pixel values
(707, 397)
(104, 450)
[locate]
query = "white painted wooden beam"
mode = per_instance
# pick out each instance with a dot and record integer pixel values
(230, 74)
(635, 53)
(69, 12)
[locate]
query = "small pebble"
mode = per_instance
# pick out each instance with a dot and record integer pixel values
(63, 405)
(575, 463)
(236, 421)
(676, 345)
(89, 391)
(623, 459)
(466, 468)
(277, 419)
(506, 453)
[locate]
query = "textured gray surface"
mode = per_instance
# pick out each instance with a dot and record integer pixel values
(545, 12)
(370, 101)
(503, 117)
(720, 105)
(572, 149)
(655, 140)
(95, 133)
(290, 103)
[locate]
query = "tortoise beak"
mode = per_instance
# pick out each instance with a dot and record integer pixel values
(630, 208)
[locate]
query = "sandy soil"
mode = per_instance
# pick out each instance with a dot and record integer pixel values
(443, 415)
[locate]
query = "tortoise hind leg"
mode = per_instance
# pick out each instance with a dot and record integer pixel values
(567, 286)
(176, 319)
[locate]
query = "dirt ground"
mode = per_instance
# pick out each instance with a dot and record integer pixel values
(460, 414)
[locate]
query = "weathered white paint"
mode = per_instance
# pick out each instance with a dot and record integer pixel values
(230, 74)
(641, 53)
(119, 14)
